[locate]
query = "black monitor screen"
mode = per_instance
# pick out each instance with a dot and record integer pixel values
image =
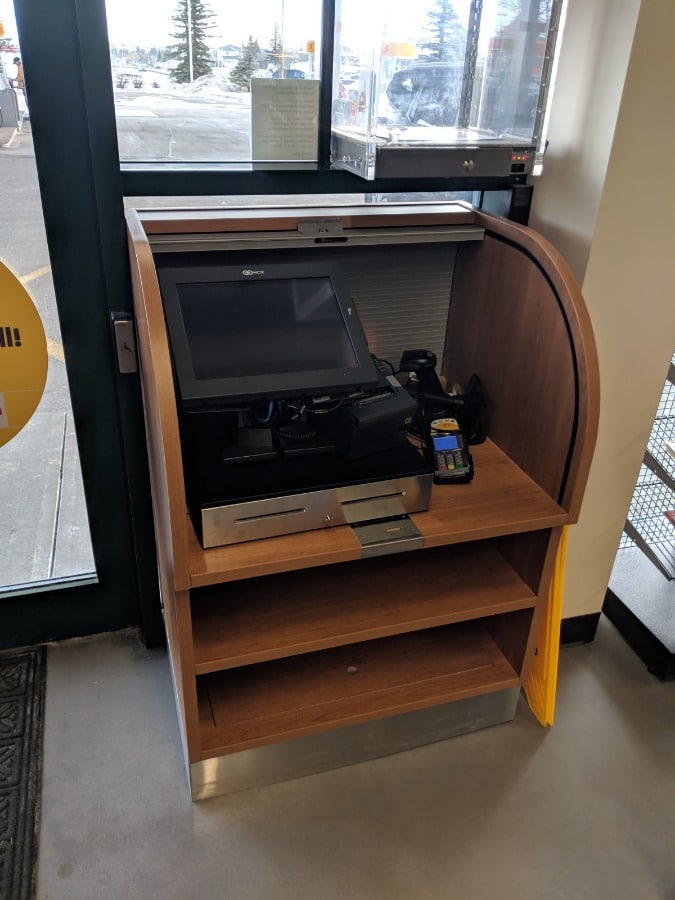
(264, 327)
(273, 331)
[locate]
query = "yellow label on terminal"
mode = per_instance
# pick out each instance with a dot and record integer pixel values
(445, 425)
(23, 356)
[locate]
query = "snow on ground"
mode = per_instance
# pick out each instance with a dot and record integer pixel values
(212, 85)
(215, 86)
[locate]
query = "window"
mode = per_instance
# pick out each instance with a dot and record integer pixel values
(197, 82)
(203, 83)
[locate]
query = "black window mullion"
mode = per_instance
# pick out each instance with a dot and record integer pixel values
(150, 181)
(326, 86)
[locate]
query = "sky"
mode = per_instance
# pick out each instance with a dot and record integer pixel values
(7, 18)
(148, 23)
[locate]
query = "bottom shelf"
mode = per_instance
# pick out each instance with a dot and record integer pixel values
(276, 701)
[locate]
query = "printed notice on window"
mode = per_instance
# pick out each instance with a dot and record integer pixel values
(284, 119)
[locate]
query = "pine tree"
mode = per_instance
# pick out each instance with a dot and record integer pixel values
(447, 36)
(190, 32)
(249, 61)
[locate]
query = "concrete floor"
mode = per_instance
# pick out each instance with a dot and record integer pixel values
(585, 809)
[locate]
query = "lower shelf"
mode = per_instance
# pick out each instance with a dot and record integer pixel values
(358, 743)
(276, 701)
(293, 613)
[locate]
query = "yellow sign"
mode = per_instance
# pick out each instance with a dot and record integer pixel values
(400, 49)
(23, 356)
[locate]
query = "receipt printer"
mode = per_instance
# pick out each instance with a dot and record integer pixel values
(378, 421)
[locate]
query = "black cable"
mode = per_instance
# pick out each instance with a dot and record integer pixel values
(269, 415)
(306, 435)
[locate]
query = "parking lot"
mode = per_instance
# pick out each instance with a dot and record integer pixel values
(200, 122)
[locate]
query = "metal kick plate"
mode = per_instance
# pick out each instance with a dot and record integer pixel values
(388, 536)
(313, 753)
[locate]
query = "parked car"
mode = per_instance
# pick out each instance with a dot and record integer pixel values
(424, 94)
(289, 73)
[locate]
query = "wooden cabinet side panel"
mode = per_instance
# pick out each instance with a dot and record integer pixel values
(527, 554)
(512, 635)
(533, 556)
(178, 624)
(166, 475)
(518, 319)
(159, 405)
(506, 326)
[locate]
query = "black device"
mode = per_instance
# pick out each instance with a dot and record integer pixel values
(255, 332)
(467, 407)
(378, 420)
(423, 364)
(449, 454)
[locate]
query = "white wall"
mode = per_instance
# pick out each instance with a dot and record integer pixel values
(630, 291)
(594, 54)
(606, 199)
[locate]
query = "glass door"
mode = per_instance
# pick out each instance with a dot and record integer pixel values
(48, 543)
(79, 552)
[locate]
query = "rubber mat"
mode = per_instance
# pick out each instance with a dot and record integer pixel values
(22, 690)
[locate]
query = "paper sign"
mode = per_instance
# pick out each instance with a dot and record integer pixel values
(284, 119)
(23, 356)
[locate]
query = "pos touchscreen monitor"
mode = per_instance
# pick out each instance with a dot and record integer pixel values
(253, 332)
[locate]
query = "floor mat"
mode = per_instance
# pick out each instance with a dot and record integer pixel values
(22, 690)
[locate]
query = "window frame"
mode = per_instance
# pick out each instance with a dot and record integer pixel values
(160, 179)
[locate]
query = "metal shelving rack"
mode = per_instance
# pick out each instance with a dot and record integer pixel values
(648, 525)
